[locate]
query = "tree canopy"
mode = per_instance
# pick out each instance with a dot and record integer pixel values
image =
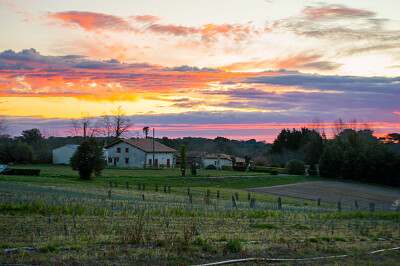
(88, 159)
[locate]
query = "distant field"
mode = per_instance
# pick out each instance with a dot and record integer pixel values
(334, 191)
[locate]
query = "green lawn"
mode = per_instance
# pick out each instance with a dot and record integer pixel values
(150, 177)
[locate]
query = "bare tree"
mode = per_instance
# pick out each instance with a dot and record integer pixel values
(338, 126)
(353, 124)
(318, 125)
(106, 125)
(120, 122)
(84, 126)
(3, 126)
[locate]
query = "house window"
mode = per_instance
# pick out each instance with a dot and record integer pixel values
(126, 150)
(126, 160)
(117, 159)
(109, 159)
(118, 150)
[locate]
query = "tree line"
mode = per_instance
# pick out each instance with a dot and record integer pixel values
(351, 154)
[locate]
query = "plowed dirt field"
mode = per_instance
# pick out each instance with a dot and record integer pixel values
(334, 191)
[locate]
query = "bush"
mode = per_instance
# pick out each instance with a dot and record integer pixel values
(234, 246)
(211, 167)
(226, 167)
(274, 171)
(89, 158)
(239, 168)
(295, 167)
(259, 169)
(312, 171)
(16, 153)
(260, 161)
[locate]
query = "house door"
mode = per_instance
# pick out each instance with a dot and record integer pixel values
(115, 161)
(156, 163)
(168, 163)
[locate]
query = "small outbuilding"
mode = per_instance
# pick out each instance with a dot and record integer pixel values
(63, 154)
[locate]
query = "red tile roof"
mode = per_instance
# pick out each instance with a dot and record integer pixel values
(145, 145)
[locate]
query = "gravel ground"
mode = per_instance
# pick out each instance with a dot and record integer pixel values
(334, 191)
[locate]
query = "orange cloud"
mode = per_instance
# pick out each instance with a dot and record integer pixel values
(91, 21)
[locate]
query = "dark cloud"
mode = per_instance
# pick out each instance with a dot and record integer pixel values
(18, 66)
(186, 68)
(60, 63)
(336, 83)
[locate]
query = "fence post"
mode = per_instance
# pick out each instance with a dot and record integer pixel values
(115, 183)
(372, 207)
(356, 204)
(188, 191)
(339, 206)
(156, 188)
(319, 202)
(140, 186)
(248, 196)
(233, 202)
(109, 194)
(217, 194)
(190, 198)
(127, 184)
(169, 189)
(143, 197)
(279, 203)
(237, 195)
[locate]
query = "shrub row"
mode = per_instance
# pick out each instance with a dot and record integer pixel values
(27, 172)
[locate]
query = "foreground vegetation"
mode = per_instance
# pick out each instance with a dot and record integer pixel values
(61, 219)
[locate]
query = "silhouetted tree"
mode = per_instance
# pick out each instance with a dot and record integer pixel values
(146, 131)
(88, 159)
(120, 122)
(182, 151)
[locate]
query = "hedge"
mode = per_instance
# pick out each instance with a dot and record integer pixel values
(27, 172)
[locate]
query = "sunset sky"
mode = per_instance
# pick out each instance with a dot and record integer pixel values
(232, 68)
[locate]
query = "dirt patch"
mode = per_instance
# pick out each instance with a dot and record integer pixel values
(334, 191)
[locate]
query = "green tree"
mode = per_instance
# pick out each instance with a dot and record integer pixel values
(88, 159)
(18, 152)
(182, 151)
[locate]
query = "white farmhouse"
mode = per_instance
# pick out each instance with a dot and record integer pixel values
(64, 153)
(140, 153)
(218, 160)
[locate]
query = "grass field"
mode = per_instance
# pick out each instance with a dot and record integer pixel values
(57, 219)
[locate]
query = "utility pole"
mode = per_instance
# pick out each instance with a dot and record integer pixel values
(153, 150)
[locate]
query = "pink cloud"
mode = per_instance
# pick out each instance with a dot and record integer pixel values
(91, 21)
(335, 11)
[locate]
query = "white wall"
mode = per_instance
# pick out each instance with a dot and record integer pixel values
(62, 155)
(136, 156)
(162, 159)
(213, 161)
